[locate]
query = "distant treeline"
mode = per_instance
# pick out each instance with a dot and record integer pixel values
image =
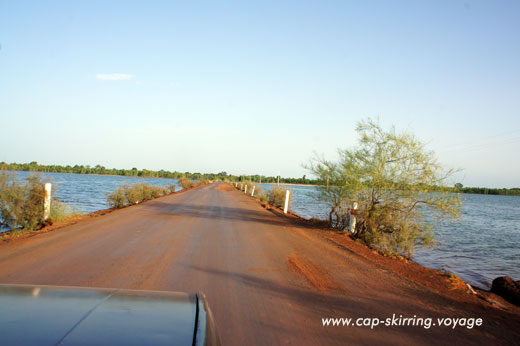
(145, 173)
(490, 191)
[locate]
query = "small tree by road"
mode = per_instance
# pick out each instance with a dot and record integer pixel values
(397, 184)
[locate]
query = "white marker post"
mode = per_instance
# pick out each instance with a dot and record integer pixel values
(286, 205)
(253, 192)
(47, 201)
(245, 189)
(236, 184)
(352, 218)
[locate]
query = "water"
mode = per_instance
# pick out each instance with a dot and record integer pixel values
(85, 192)
(481, 246)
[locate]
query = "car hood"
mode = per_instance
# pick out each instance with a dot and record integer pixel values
(45, 315)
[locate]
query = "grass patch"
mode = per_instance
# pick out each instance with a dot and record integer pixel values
(61, 212)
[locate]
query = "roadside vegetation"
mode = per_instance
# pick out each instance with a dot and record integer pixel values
(62, 212)
(187, 183)
(259, 191)
(275, 196)
(130, 194)
(136, 193)
(397, 185)
(21, 204)
(260, 194)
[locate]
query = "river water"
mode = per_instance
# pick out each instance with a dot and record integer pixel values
(484, 244)
(86, 193)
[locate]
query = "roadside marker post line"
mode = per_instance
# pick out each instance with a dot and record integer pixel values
(253, 192)
(47, 201)
(352, 218)
(286, 205)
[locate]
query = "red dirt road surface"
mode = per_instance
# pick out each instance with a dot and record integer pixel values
(268, 282)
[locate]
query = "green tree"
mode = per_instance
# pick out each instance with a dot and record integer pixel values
(397, 183)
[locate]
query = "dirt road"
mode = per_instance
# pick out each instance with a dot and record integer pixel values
(268, 282)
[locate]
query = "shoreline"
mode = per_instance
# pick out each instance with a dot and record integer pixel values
(289, 184)
(340, 239)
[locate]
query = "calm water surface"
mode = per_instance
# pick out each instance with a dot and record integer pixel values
(483, 244)
(87, 192)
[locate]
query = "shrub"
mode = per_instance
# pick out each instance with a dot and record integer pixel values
(164, 191)
(21, 204)
(276, 196)
(260, 194)
(186, 183)
(258, 189)
(133, 193)
(171, 187)
(202, 182)
(152, 191)
(136, 193)
(396, 183)
(117, 198)
(242, 186)
(263, 197)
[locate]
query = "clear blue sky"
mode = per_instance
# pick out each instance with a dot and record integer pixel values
(255, 87)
